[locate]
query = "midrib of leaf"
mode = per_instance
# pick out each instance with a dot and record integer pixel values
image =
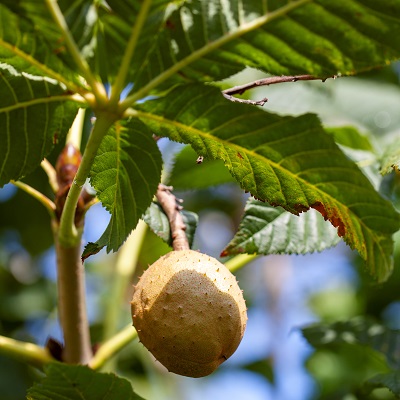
(46, 71)
(243, 150)
(197, 54)
(47, 100)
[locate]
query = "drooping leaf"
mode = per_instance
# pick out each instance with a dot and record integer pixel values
(157, 220)
(350, 137)
(211, 40)
(288, 162)
(78, 382)
(357, 331)
(390, 380)
(34, 114)
(188, 173)
(125, 174)
(272, 230)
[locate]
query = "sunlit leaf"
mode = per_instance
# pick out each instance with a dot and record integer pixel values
(125, 175)
(78, 382)
(272, 230)
(30, 42)
(211, 40)
(286, 161)
(391, 159)
(34, 114)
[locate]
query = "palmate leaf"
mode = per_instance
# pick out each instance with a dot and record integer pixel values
(211, 40)
(125, 174)
(34, 114)
(272, 230)
(79, 382)
(288, 162)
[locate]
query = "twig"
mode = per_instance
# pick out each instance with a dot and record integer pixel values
(228, 93)
(169, 204)
(245, 101)
(208, 48)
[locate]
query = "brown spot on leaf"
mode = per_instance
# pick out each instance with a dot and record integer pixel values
(335, 220)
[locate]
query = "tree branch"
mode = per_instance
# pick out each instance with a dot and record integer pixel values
(228, 93)
(169, 204)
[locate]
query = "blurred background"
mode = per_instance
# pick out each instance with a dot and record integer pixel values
(283, 293)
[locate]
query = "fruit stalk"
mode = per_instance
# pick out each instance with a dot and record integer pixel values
(172, 209)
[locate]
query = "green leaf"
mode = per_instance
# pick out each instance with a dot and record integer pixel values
(125, 174)
(211, 40)
(187, 173)
(115, 25)
(272, 230)
(391, 158)
(34, 114)
(30, 42)
(350, 137)
(78, 382)
(157, 220)
(357, 331)
(286, 161)
(390, 380)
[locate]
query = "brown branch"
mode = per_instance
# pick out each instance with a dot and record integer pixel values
(169, 204)
(245, 101)
(228, 93)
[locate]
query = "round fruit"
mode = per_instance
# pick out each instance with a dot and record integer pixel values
(189, 312)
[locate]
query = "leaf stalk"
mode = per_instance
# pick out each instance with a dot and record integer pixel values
(23, 351)
(97, 87)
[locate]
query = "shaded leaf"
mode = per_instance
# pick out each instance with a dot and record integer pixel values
(188, 174)
(390, 380)
(286, 161)
(211, 40)
(157, 220)
(350, 137)
(272, 230)
(34, 114)
(78, 382)
(357, 331)
(125, 174)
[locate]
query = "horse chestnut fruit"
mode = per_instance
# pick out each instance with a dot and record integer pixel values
(189, 312)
